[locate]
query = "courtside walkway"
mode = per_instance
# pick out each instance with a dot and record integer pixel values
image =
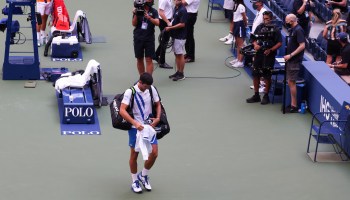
(219, 147)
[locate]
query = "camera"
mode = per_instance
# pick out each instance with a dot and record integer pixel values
(248, 50)
(266, 33)
(139, 7)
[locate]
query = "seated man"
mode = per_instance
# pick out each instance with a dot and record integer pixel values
(342, 67)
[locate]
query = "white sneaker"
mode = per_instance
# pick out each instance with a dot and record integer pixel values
(224, 39)
(238, 64)
(38, 40)
(261, 88)
(144, 181)
(43, 39)
(262, 83)
(233, 61)
(135, 187)
(229, 41)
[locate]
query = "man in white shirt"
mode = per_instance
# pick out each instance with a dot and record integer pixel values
(192, 7)
(228, 7)
(259, 6)
(165, 11)
(141, 111)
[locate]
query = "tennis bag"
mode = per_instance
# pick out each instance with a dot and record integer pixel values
(163, 126)
(118, 121)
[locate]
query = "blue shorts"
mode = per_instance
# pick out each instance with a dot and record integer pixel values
(239, 29)
(132, 138)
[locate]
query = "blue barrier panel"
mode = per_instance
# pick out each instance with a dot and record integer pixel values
(325, 90)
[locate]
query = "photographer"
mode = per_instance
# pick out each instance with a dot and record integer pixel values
(266, 40)
(144, 19)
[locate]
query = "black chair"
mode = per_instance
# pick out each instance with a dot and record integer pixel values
(214, 5)
(334, 130)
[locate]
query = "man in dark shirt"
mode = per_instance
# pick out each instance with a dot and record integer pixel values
(144, 39)
(343, 68)
(264, 60)
(178, 33)
(294, 57)
(300, 9)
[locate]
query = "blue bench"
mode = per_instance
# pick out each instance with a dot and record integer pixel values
(78, 106)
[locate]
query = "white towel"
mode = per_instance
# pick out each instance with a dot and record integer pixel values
(78, 80)
(144, 139)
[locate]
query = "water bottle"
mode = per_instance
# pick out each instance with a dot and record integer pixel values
(303, 107)
(248, 31)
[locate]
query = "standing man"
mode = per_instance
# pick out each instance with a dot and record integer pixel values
(294, 57)
(178, 33)
(165, 10)
(144, 39)
(228, 9)
(44, 8)
(300, 10)
(192, 7)
(258, 5)
(264, 60)
(140, 115)
(343, 67)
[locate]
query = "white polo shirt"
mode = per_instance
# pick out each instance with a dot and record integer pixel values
(237, 15)
(192, 6)
(146, 107)
(228, 4)
(258, 19)
(167, 7)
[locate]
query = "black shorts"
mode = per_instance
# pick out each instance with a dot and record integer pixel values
(261, 69)
(333, 47)
(239, 29)
(229, 14)
(144, 48)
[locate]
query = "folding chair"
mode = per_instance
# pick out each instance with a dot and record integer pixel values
(214, 5)
(333, 130)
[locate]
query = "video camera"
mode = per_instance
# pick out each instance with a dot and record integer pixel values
(139, 7)
(248, 50)
(266, 33)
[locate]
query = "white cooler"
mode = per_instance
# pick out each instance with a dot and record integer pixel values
(67, 47)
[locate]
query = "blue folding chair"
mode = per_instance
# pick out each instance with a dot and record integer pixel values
(334, 130)
(214, 5)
